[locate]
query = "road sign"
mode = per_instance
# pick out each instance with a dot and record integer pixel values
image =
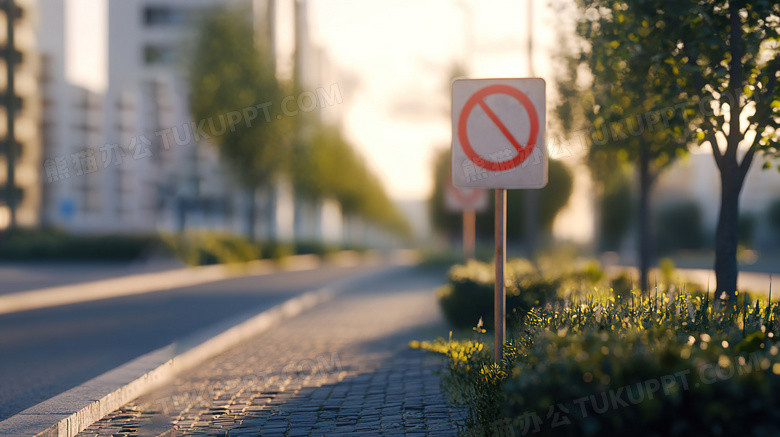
(498, 128)
(498, 131)
(67, 208)
(467, 199)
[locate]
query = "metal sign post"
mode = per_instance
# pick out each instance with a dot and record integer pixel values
(467, 202)
(498, 130)
(469, 233)
(500, 291)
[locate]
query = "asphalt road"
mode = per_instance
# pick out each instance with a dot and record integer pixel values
(48, 351)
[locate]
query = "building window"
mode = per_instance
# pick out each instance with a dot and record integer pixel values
(163, 16)
(159, 55)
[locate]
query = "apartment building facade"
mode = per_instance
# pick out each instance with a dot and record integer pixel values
(23, 192)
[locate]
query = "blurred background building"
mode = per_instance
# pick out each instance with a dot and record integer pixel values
(105, 141)
(26, 145)
(689, 193)
(120, 151)
(113, 82)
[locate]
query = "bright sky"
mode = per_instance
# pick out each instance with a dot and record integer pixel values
(401, 52)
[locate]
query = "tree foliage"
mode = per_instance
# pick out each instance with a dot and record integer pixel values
(624, 102)
(623, 105)
(708, 69)
(326, 165)
(231, 73)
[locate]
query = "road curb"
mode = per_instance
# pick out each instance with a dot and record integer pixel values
(69, 413)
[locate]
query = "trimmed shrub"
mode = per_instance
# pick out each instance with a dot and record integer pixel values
(197, 248)
(194, 248)
(644, 382)
(314, 248)
(468, 295)
(50, 245)
(646, 366)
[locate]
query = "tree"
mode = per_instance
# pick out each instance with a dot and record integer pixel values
(624, 103)
(327, 165)
(728, 61)
(232, 75)
(718, 63)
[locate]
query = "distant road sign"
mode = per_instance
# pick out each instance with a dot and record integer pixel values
(458, 200)
(67, 209)
(498, 131)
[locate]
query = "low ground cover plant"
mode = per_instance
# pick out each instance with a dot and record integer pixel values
(594, 363)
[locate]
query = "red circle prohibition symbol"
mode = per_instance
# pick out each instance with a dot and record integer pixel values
(478, 98)
(466, 200)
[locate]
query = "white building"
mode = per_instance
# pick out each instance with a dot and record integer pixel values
(121, 152)
(112, 85)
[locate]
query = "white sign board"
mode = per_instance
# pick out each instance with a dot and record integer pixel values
(457, 200)
(498, 131)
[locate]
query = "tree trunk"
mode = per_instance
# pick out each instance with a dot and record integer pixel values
(270, 214)
(644, 219)
(251, 213)
(727, 234)
(531, 228)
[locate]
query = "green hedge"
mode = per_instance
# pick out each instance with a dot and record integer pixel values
(49, 245)
(204, 248)
(645, 383)
(468, 295)
(195, 248)
(690, 370)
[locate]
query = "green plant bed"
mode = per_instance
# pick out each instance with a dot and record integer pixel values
(314, 248)
(197, 248)
(469, 293)
(54, 245)
(571, 365)
(644, 383)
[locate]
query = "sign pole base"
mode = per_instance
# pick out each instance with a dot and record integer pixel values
(500, 290)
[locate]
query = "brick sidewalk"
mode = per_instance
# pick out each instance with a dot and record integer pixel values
(342, 368)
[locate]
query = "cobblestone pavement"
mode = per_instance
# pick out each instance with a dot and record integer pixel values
(342, 368)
